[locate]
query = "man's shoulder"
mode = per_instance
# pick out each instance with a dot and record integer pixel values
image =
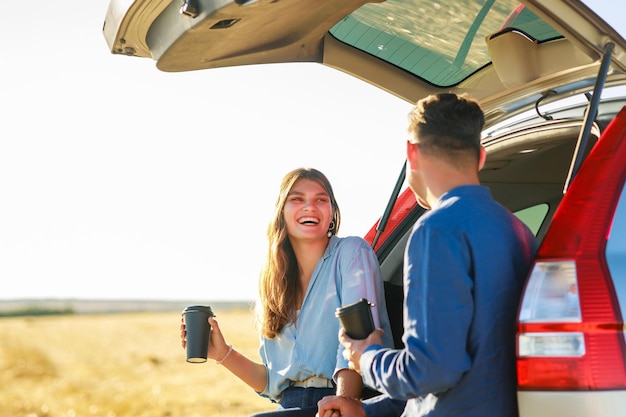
(466, 212)
(445, 215)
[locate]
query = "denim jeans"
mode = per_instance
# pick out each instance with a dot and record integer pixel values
(304, 397)
(298, 402)
(289, 412)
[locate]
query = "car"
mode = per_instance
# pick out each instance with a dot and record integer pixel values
(550, 76)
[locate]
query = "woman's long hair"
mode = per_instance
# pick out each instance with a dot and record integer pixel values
(279, 282)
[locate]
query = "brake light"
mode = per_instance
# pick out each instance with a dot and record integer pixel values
(570, 329)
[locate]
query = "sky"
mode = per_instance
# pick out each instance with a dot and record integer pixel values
(118, 181)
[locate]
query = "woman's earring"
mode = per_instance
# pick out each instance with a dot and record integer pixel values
(331, 227)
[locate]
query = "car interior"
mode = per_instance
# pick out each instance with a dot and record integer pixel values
(526, 170)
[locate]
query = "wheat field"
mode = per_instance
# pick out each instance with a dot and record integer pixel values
(119, 365)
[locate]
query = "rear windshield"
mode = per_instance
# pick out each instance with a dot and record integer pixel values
(442, 42)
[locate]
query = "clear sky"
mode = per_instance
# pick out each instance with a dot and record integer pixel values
(121, 181)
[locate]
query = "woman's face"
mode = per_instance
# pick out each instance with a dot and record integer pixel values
(308, 210)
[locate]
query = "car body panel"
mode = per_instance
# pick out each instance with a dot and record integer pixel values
(616, 252)
(157, 29)
(228, 33)
(572, 404)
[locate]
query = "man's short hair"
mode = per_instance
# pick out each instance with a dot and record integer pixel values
(447, 125)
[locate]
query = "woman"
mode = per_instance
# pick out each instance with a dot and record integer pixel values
(308, 274)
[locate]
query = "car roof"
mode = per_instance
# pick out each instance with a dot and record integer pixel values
(505, 53)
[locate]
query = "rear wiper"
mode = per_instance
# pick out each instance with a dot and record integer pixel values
(380, 227)
(590, 116)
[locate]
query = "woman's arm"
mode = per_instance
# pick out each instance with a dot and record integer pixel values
(252, 373)
(360, 278)
(349, 383)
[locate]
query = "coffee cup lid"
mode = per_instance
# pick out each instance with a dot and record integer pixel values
(351, 307)
(205, 309)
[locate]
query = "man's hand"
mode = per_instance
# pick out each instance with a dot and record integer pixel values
(337, 406)
(355, 348)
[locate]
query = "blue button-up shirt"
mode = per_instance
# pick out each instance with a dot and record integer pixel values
(347, 272)
(465, 265)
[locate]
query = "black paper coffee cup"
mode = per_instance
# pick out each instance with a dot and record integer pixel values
(356, 319)
(198, 332)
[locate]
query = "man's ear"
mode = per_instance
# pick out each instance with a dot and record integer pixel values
(411, 154)
(482, 158)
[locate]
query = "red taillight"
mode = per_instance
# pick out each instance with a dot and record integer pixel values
(570, 330)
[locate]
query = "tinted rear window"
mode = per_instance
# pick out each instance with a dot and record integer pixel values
(442, 42)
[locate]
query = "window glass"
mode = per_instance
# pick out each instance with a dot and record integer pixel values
(442, 42)
(533, 216)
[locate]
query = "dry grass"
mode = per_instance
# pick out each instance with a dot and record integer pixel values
(119, 365)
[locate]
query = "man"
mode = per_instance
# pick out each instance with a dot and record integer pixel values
(465, 265)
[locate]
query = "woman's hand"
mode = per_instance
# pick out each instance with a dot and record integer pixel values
(218, 348)
(183, 332)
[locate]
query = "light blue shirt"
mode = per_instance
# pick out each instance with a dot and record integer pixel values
(347, 272)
